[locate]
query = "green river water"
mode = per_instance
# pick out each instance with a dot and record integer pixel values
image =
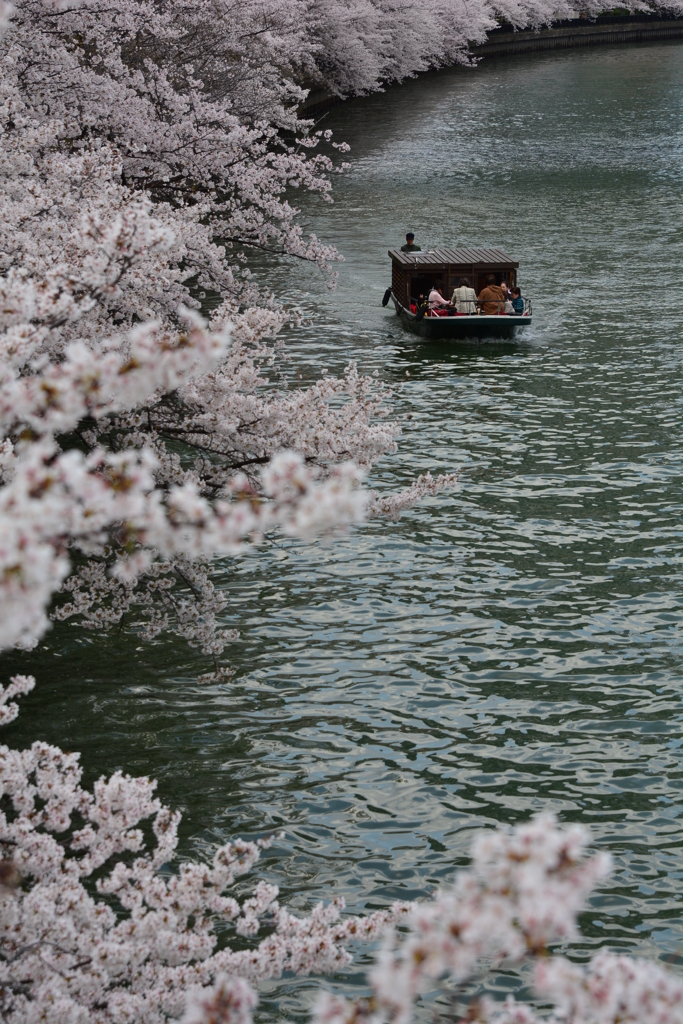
(514, 645)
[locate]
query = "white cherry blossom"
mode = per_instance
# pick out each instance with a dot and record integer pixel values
(521, 895)
(98, 923)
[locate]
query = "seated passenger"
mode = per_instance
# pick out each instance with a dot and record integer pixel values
(464, 297)
(517, 301)
(436, 299)
(507, 308)
(491, 298)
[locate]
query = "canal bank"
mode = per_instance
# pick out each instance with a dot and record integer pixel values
(606, 30)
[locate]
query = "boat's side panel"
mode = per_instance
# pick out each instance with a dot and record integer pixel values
(464, 327)
(399, 281)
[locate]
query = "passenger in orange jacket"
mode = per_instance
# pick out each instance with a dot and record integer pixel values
(492, 297)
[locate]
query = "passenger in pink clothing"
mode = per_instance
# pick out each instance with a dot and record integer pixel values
(436, 298)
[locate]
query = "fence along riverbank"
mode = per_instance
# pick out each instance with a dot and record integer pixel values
(607, 29)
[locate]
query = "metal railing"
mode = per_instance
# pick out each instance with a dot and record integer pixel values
(484, 308)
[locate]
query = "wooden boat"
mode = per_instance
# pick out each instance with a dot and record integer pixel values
(413, 274)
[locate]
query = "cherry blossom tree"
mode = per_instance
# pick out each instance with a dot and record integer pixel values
(143, 144)
(134, 435)
(364, 45)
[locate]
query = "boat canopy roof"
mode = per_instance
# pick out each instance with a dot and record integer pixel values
(440, 259)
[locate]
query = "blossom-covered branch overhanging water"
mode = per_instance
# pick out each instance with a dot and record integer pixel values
(139, 441)
(99, 924)
(147, 150)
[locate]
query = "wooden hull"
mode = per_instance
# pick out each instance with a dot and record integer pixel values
(460, 327)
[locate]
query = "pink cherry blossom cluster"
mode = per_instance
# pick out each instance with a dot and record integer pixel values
(97, 923)
(69, 955)
(521, 895)
(57, 499)
(117, 496)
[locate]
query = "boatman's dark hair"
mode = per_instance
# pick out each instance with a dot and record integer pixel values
(410, 235)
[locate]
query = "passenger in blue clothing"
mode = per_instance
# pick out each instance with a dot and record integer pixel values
(517, 301)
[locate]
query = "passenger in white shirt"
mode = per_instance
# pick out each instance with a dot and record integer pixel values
(465, 298)
(436, 298)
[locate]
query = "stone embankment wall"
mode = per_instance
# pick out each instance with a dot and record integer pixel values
(580, 32)
(633, 28)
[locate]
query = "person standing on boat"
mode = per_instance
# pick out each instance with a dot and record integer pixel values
(410, 244)
(436, 299)
(464, 297)
(492, 298)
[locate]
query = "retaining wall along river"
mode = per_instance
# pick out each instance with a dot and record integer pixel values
(609, 29)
